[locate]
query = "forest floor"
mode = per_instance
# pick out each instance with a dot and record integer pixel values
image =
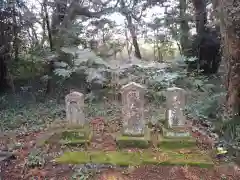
(21, 168)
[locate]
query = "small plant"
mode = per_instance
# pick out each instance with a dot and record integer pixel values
(223, 177)
(83, 173)
(35, 159)
(81, 176)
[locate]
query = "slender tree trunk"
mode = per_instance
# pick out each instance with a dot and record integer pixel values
(134, 36)
(128, 45)
(51, 63)
(184, 39)
(3, 74)
(230, 31)
(15, 34)
(48, 25)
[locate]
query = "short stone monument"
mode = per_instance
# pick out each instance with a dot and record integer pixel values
(176, 120)
(76, 132)
(176, 133)
(133, 114)
(74, 108)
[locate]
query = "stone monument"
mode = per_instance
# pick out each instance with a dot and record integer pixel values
(176, 120)
(77, 131)
(74, 108)
(133, 109)
(134, 132)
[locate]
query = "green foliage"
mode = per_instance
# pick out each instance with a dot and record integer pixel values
(29, 64)
(79, 175)
(231, 131)
(28, 115)
(206, 108)
(35, 158)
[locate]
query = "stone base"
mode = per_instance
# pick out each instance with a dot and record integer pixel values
(176, 133)
(176, 138)
(79, 136)
(176, 143)
(126, 159)
(127, 141)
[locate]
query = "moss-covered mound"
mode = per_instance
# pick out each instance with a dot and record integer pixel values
(123, 158)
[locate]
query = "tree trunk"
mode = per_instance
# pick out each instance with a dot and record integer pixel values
(230, 31)
(200, 7)
(3, 74)
(134, 36)
(48, 25)
(52, 47)
(184, 39)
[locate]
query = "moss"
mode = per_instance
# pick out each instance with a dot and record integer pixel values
(99, 157)
(74, 136)
(74, 158)
(176, 143)
(75, 142)
(138, 142)
(124, 141)
(196, 164)
(121, 158)
(124, 158)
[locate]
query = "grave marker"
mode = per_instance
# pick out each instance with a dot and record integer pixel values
(133, 109)
(75, 108)
(176, 120)
(176, 101)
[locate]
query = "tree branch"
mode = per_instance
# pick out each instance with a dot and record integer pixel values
(75, 9)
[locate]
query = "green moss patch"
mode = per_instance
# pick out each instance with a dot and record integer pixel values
(176, 143)
(121, 158)
(74, 158)
(74, 136)
(124, 158)
(127, 141)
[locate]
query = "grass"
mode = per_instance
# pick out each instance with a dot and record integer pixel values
(123, 158)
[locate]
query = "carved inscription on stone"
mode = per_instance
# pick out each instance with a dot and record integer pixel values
(133, 102)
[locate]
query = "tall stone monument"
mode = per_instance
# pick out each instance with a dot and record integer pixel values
(133, 109)
(134, 132)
